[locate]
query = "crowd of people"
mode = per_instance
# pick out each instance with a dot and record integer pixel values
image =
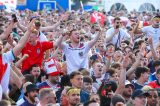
(51, 58)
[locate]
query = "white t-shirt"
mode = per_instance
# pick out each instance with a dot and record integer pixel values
(42, 37)
(123, 35)
(153, 32)
(76, 57)
(19, 102)
(6, 59)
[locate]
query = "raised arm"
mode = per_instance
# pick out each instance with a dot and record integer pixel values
(21, 27)
(17, 49)
(98, 34)
(150, 41)
(110, 35)
(122, 77)
(7, 31)
(136, 30)
(135, 65)
(19, 62)
(51, 28)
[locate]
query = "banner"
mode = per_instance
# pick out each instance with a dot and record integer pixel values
(10, 5)
(21, 2)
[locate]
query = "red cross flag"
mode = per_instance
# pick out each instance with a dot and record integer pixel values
(97, 16)
(51, 67)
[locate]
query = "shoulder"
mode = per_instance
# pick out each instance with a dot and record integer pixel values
(43, 85)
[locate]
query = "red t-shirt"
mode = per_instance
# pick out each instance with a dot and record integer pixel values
(36, 54)
(154, 84)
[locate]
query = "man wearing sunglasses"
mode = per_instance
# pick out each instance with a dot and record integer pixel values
(116, 34)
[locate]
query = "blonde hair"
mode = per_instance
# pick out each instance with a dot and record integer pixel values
(35, 31)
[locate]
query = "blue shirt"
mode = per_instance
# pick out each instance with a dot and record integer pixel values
(84, 96)
(26, 103)
(152, 77)
(137, 86)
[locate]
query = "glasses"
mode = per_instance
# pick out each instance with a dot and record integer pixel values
(118, 22)
(152, 96)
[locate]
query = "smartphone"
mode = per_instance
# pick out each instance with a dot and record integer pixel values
(117, 26)
(14, 18)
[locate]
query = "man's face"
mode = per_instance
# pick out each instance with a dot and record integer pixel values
(35, 71)
(152, 99)
(155, 22)
(77, 81)
(140, 101)
(117, 23)
(87, 87)
(50, 98)
(97, 68)
(114, 77)
(64, 100)
(75, 37)
(74, 98)
(32, 95)
(110, 50)
(128, 91)
(118, 55)
(54, 79)
(101, 47)
(144, 62)
(33, 38)
(145, 76)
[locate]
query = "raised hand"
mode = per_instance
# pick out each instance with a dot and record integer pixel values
(31, 25)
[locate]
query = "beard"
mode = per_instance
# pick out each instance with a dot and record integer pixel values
(126, 94)
(32, 98)
(53, 81)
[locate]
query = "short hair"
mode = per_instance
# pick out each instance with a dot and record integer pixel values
(111, 71)
(44, 92)
(110, 44)
(140, 70)
(156, 63)
(72, 89)
(115, 65)
(128, 47)
(126, 42)
(117, 98)
(73, 74)
(29, 78)
(116, 18)
(87, 79)
(140, 42)
(34, 65)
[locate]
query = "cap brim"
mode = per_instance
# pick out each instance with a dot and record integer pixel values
(55, 74)
(130, 85)
(146, 94)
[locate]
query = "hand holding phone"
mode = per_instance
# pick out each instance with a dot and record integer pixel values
(14, 18)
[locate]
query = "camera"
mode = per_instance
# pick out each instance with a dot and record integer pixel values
(14, 18)
(117, 26)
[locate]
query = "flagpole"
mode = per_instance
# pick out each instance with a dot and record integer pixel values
(81, 5)
(69, 5)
